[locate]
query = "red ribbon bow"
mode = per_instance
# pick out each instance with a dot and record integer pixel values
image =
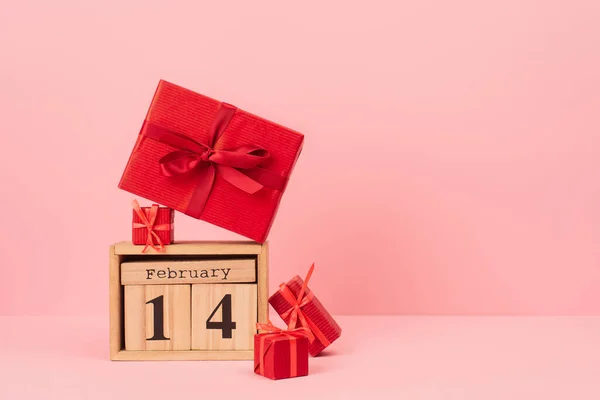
(273, 331)
(208, 159)
(148, 223)
(295, 313)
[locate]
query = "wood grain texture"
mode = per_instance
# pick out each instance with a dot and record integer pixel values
(193, 247)
(140, 317)
(115, 303)
(206, 298)
(263, 284)
(159, 272)
(184, 355)
(122, 251)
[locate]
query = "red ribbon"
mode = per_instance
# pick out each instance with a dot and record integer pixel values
(295, 313)
(273, 332)
(148, 223)
(239, 166)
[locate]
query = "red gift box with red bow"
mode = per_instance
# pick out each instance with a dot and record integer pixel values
(212, 161)
(152, 226)
(297, 305)
(280, 354)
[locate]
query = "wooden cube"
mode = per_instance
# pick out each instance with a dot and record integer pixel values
(157, 317)
(195, 301)
(223, 316)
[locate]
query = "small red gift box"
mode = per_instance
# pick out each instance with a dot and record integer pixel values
(280, 354)
(152, 226)
(212, 161)
(298, 306)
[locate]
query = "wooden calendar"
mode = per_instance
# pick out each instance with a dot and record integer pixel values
(194, 301)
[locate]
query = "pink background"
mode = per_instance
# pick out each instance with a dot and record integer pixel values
(451, 157)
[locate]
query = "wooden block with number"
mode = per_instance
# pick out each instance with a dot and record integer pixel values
(223, 316)
(195, 301)
(157, 317)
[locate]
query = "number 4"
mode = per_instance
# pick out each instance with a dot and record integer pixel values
(226, 325)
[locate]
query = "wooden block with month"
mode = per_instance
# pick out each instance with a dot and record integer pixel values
(157, 272)
(224, 316)
(157, 317)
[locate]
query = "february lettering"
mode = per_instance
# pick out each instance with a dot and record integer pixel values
(168, 273)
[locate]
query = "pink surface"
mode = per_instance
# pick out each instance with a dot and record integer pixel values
(450, 165)
(425, 358)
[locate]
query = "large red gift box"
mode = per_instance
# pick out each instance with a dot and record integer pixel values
(212, 161)
(281, 355)
(299, 307)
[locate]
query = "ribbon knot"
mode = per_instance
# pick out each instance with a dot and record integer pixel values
(148, 223)
(202, 161)
(206, 155)
(270, 328)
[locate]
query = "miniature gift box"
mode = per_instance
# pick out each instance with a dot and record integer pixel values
(280, 354)
(299, 307)
(152, 226)
(212, 161)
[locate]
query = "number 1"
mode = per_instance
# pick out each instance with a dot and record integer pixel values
(159, 312)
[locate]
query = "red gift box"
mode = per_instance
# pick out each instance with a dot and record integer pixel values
(280, 354)
(212, 161)
(298, 306)
(152, 226)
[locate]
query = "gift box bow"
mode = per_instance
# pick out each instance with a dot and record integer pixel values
(148, 223)
(272, 332)
(296, 314)
(202, 161)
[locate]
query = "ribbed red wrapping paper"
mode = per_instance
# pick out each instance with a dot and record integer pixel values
(277, 356)
(191, 114)
(314, 310)
(164, 216)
